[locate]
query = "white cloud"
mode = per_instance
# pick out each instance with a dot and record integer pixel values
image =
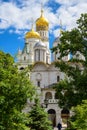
(9, 13)
(3, 23)
(57, 32)
(70, 2)
(19, 15)
(70, 11)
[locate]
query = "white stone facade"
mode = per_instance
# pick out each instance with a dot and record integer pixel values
(44, 75)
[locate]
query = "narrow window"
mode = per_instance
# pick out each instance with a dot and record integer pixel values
(38, 83)
(38, 55)
(24, 58)
(47, 59)
(58, 78)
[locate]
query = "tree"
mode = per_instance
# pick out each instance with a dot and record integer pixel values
(39, 118)
(79, 120)
(15, 89)
(72, 90)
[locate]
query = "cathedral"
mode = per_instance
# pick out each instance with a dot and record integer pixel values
(44, 74)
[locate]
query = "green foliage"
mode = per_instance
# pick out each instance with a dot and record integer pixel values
(15, 88)
(73, 90)
(82, 25)
(39, 118)
(79, 120)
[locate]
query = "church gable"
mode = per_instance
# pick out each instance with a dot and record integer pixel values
(39, 66)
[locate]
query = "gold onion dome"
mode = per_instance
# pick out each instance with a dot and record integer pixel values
(42, 23)
(32, 34)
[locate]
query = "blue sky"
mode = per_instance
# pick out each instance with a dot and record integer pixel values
(16, 15)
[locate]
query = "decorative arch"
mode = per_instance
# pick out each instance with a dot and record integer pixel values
(48, 95)
(51, 111)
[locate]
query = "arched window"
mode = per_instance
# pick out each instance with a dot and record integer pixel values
(65, 113)
(48, 95)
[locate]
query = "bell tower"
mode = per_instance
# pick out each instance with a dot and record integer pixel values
(42, 27)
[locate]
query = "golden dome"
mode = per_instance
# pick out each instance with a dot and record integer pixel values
(42, 23)
(32, 34)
